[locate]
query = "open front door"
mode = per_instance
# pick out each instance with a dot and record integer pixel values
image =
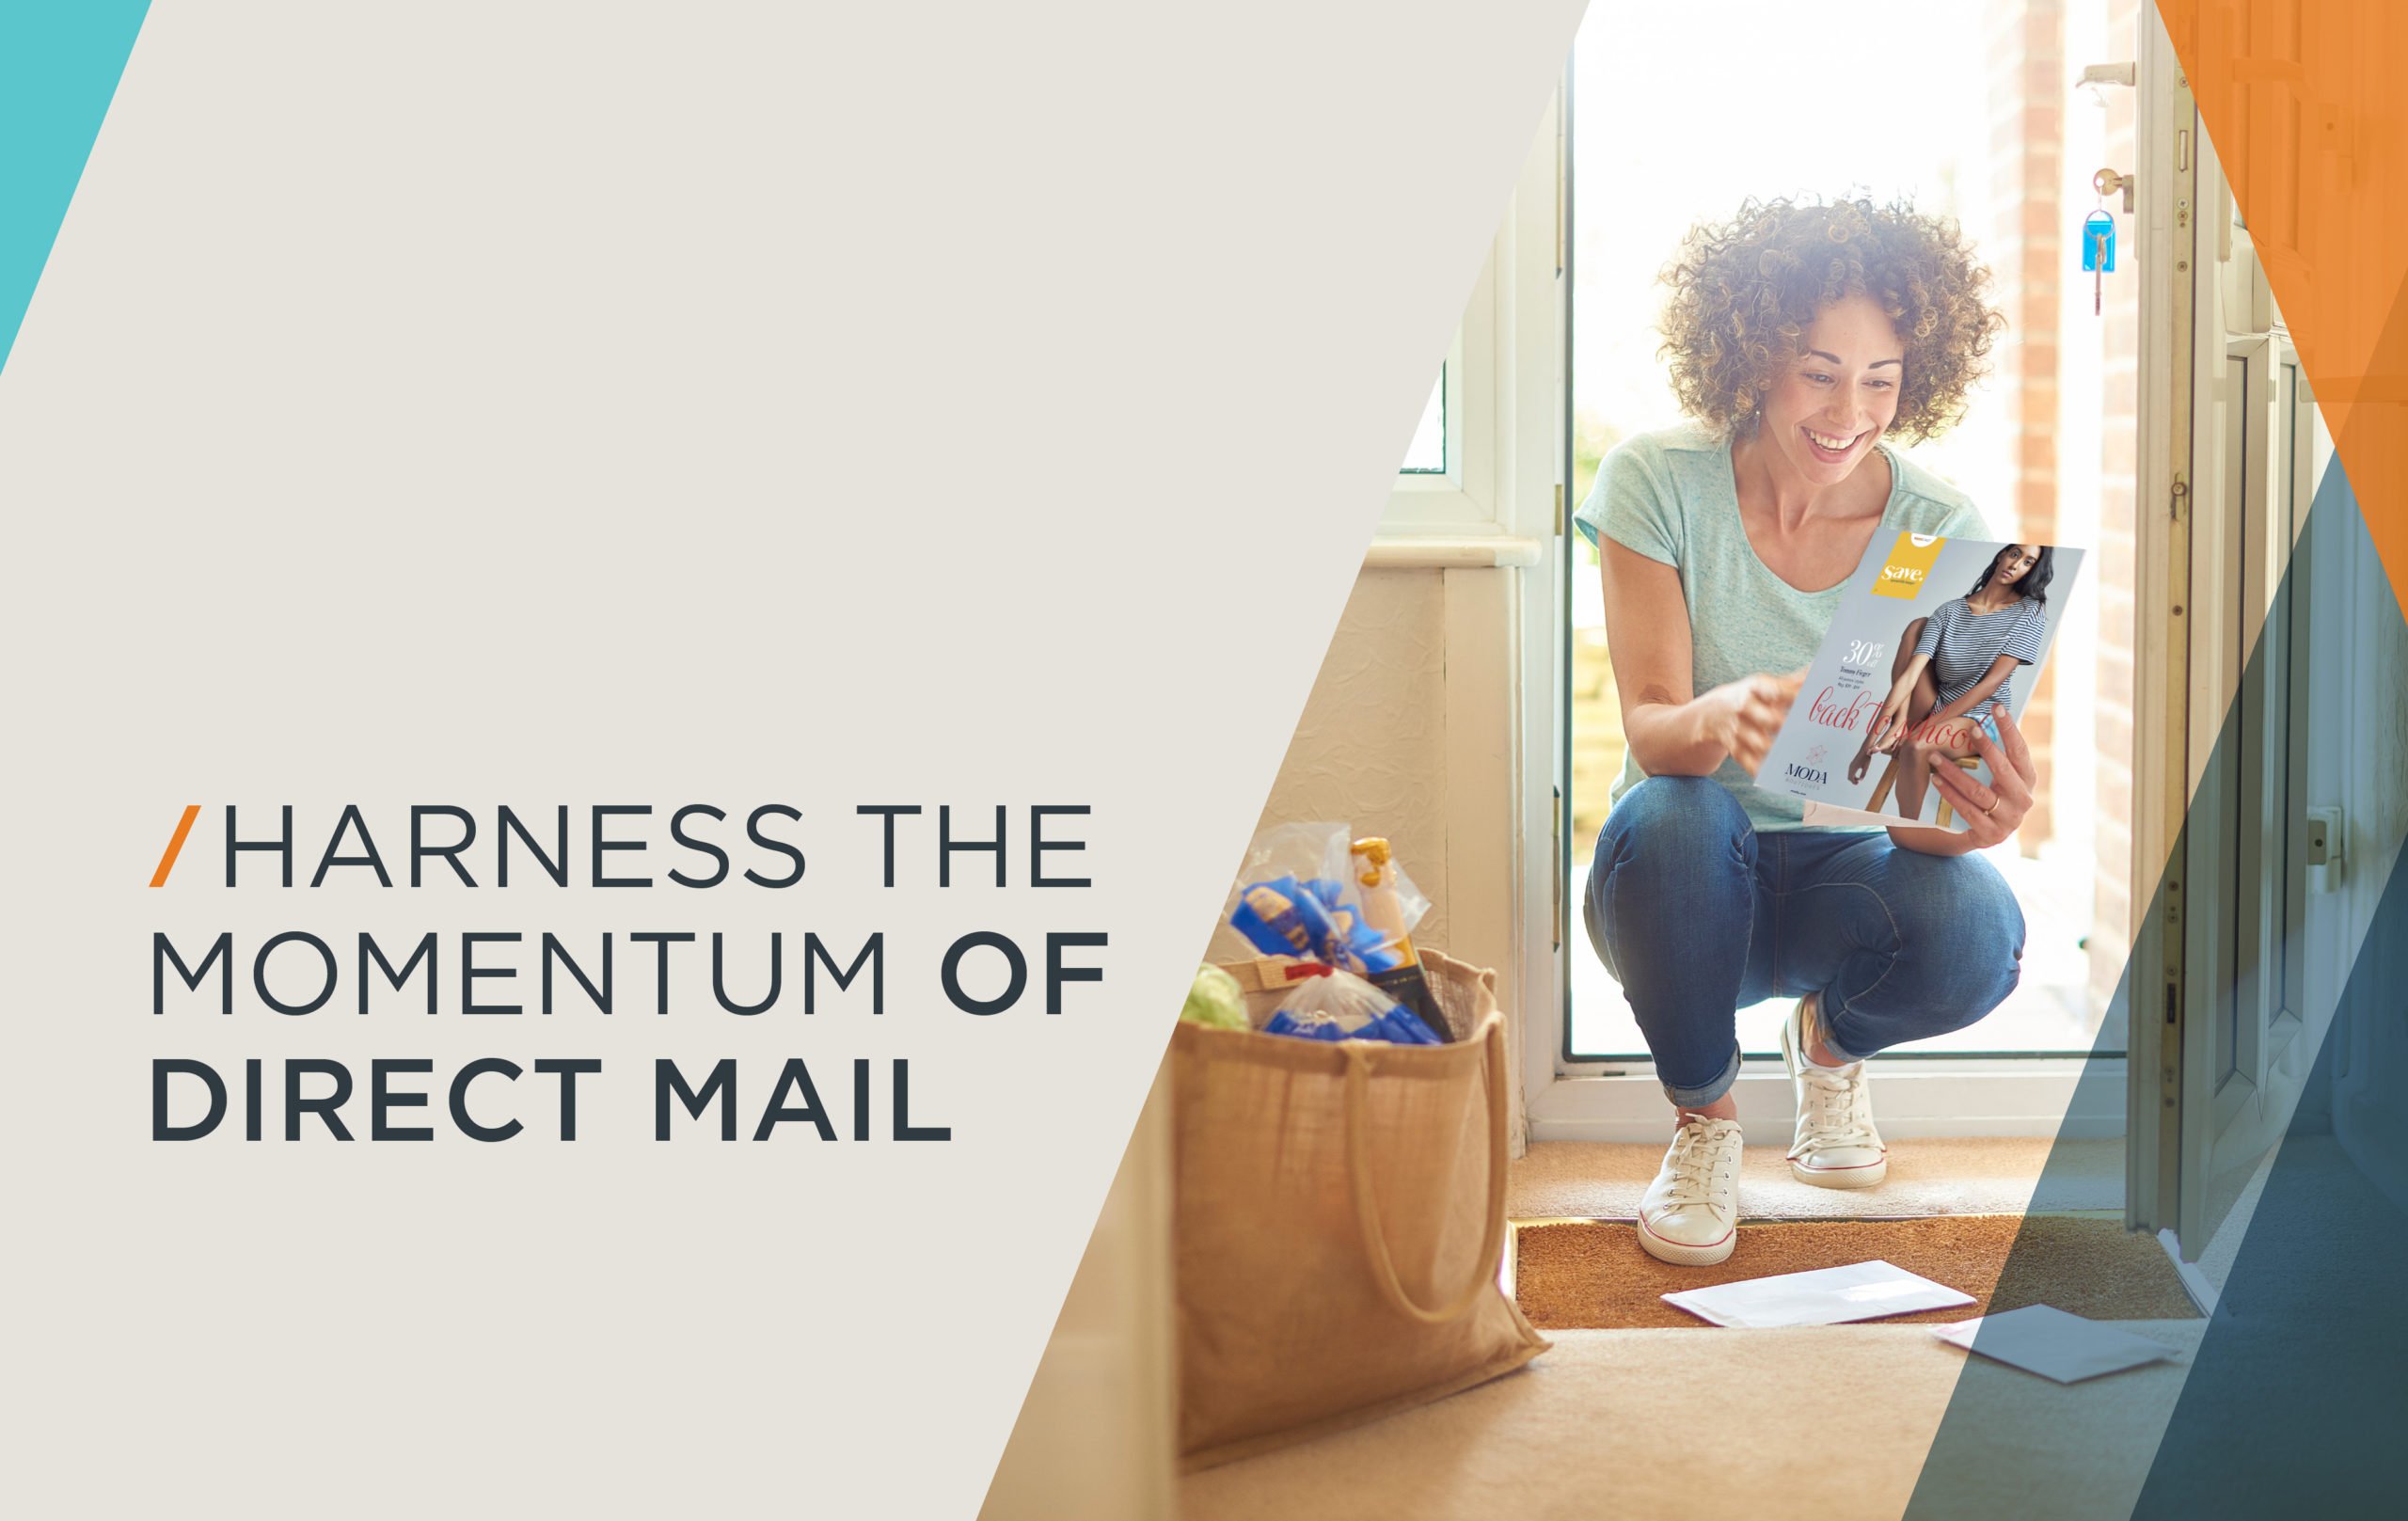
(2228, 1001)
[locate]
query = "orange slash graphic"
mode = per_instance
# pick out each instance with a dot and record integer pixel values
(168, 862)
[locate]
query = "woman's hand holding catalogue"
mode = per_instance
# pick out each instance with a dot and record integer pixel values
(1994, 812)
(1743, 715)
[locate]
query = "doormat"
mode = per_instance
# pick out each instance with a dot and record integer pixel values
(1591, 1274)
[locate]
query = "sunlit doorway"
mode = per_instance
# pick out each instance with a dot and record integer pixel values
(1971, 108)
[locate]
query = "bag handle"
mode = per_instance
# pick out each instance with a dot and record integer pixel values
(1367, 1209)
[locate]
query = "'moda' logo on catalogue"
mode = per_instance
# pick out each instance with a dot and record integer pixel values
(1910, 559)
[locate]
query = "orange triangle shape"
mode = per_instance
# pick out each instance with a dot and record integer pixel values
(2306, 109)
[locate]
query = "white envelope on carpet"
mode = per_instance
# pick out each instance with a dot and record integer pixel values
(2046, 1340)
(1827, 1296)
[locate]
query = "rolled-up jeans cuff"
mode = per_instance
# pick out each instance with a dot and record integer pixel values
(1844, 1056)
(1832, 1038)
(1699, 1096)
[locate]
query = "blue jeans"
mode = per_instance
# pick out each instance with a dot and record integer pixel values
(1696, 914)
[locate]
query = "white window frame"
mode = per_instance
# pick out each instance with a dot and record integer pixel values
(1501, 377)
(1424, 501)
(1464, 500)
(2001, 1096)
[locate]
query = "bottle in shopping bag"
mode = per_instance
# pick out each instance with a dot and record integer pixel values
(1375, 882)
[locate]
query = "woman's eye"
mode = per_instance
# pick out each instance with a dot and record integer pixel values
(1881, 385)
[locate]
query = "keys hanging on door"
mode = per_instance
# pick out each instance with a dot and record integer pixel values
(2099, 253)
(2098, 233)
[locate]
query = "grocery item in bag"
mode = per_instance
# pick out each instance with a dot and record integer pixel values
(1309, 918)
(1308, 894)
(1215, 1001)
(1285, 917)
(1320, 859)
(1375, 878)
(1338, 1006)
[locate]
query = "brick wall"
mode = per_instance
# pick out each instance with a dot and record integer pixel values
(2028, 85)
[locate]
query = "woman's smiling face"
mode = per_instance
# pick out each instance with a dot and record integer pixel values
(1825, 415)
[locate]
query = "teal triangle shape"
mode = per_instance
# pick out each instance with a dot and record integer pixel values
(59, 64)
(2295, 1399)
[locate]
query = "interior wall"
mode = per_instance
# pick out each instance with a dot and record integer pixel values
(1371, 747)
(1387, 745)
(1374, 748)
(1097, 1437)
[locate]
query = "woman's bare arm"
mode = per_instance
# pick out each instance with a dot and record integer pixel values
(1672, 730)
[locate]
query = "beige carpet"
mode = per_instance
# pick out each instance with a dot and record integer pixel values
(1643, 1424)
(1593, 1274)
(1670, 1424)
(1597, 1181)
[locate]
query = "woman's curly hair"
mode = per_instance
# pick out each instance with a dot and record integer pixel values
(1743, 293)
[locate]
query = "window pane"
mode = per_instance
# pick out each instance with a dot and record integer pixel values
(1427, 455)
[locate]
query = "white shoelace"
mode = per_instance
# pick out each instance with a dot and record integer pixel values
(1836, 1112)
(1697, 1159)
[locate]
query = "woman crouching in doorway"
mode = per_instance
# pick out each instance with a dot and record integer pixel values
(1802, 339)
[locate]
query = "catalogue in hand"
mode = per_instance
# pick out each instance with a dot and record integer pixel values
(1931, 634)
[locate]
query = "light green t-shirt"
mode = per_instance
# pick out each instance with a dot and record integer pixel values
(1671, 495)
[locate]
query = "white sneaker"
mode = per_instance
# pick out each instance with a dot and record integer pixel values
(1689, 1215)
(1836, 1145)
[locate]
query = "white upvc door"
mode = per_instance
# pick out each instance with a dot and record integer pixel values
(2230, 994)
(2252, 1012)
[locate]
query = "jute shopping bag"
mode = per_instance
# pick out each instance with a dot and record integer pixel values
(1339, 1221)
